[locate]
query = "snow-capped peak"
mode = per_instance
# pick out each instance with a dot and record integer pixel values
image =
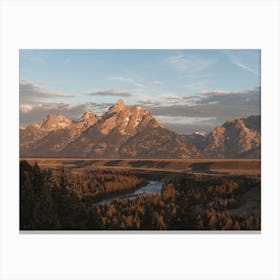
(54, 122)
(88, 114)
(119, 106)
(200, 132)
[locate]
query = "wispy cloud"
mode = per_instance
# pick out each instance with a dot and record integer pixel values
(205, 98)
(157, 83)
(40, 110)
(215, 92)
(195, 85)
(30, 91)
(98, 108)
(183, 120)
(206, 109)
(189, 63)
(127, 80)
(191, 101)
(245, 67)
(172, 97)
(111, 93)
(25, 108)
(149, 102)
(244, 60)
(193, 70)
(35, 58)
(183, 114)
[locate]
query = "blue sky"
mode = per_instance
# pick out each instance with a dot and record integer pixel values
(169, 83)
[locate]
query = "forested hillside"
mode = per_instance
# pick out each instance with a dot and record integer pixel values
(57, 200)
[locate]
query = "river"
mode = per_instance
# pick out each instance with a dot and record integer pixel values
(151, 187)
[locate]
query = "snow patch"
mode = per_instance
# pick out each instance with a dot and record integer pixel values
(200, 132)
(138, 119)
(62, 124)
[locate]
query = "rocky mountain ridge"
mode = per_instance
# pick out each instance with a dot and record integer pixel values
(132, 132)
(120, 132)
(235, 138)
(239, 138)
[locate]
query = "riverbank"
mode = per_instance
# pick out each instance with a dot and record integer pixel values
(151, 187)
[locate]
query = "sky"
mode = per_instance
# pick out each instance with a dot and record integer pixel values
(185, 90)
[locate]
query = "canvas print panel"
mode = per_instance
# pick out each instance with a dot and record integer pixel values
(140, 140)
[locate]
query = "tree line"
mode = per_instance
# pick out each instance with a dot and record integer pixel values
(51, 203)
(64, 200)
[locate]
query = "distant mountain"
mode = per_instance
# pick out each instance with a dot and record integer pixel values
(120, 132)
(198, 138)
(240, 138)
(55, 122)
(30, 135)
(53, 134)
(132, 132)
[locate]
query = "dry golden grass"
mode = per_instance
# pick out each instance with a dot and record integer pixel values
(195, 166)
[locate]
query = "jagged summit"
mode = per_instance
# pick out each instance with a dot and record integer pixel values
(126, 120)
(119, 106)
(122, 131)
(236, 138)
(87, 119)
(54, 122)
(132, 132)
(88, 114)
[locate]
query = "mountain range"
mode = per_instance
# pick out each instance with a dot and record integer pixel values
(132, 132)
(239, 138)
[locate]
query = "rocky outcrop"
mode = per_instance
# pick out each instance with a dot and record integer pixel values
(133, 132)
(52, 135)
(55, 122)
(120, 132)
(240, 138)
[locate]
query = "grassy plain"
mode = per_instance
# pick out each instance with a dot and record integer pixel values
(214, 167)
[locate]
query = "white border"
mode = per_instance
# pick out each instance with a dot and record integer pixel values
(129, 24)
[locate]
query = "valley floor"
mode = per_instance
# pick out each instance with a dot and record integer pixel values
(110, 194)
(213, 167)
